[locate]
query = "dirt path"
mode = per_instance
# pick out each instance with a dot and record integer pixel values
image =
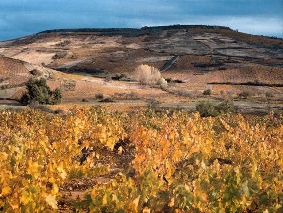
(169, 63)
(70, 64)
(74, 190)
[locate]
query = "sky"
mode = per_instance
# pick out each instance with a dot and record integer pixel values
(20, 18)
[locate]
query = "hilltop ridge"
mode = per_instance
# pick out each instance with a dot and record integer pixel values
(201, 57)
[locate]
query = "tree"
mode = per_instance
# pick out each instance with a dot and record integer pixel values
(39, 91)
(147, 75)
(57, 96)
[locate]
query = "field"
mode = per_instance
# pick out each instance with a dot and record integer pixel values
(208, 138)
(94, 160)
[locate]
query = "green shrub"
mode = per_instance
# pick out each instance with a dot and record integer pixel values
(36, 72)
(99, 96)
(207, 92)
(39, 92)
(59, 55)
(225, 107)
(43, 108)
(57, 96)
(152, 103)
(4, 87)
(269, 95)
(244, 94)
(84, 100)
(207, 109)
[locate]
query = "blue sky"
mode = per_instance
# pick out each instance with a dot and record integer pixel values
(24, 17)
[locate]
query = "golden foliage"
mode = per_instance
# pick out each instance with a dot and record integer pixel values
(182, 162)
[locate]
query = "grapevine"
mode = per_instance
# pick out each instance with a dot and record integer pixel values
(180, 162)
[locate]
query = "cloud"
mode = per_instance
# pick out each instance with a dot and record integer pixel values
(231, 7)
(252, 24)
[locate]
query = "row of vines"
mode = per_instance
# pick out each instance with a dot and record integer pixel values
(182, 162)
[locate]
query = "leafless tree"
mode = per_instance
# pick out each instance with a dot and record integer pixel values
(147, 75)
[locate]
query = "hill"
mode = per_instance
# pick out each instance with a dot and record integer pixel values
(198, 57)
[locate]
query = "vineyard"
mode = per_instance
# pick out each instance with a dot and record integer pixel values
(178, 161)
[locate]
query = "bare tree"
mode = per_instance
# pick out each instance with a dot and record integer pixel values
(146, 74)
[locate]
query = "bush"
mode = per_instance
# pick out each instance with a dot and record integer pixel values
(207, 92)
(207, 109)
(225, 107)
(59, 55)
(132, 96)
(147, 75)
(36, 72)
(107, 99)
(99, 96)
(244, 94)
(4, 87)
(119, 76)
(63, 43)
(269, 95)
(84, 100)
(152, 103)
(39, 92)
(57, 96)
(41, 107)
(163, 83)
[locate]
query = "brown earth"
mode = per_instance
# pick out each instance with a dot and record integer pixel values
(82, 61)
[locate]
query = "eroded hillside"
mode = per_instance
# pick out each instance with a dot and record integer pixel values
(200, 57)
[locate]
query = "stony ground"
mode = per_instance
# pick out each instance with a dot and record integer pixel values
(80, 62)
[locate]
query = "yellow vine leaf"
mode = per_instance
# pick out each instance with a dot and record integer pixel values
(114, 198)
(14, 204)
(120, 150)
(203, 197)
(254, 169)
(25, 198)
(149, 152)
(168, 170)
(3, 156)
(146, 210)
(5, 191)
(33, 169)
(104, 200)
(61, 170)
(245, 188)
(51, 200)
(136, 203)
(55, 189)
(172, 202)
